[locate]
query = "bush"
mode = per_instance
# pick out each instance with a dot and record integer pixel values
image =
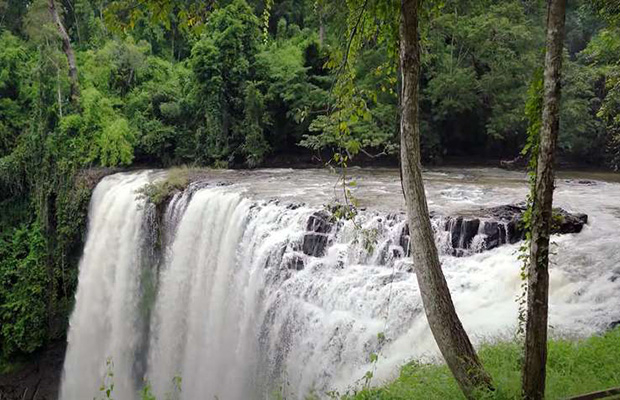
(23, 285)
(159, 191)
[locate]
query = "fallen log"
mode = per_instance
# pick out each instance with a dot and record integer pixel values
(613, 393)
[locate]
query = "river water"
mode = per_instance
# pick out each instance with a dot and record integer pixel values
(225, 298)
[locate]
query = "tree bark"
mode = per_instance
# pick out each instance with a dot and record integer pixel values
(534, 370)
(68, 50)
(445, 325)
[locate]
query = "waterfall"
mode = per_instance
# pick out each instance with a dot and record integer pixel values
(244, 298)
(106, 321)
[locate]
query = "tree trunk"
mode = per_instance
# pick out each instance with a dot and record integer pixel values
(445, 325)
(538, 273)
(66, 47)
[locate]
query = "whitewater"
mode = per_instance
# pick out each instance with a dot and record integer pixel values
(218, 295)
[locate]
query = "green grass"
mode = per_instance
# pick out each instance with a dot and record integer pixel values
(159, 192)
(573, 367)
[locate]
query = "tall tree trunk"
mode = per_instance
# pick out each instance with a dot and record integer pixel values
(66, 47)
(447, 329)
(538, 273)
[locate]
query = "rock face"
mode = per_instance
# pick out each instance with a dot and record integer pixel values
(317, 234)
(512, 215)
(493, 227)
(462, 231)
(295, 262)
(482, 230)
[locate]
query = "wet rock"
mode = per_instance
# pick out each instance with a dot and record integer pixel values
(317, 235)
(403, 241)
(565, 222)
(585, 182)
(293, 206)
(506, 212)
(495, 234)
(459, 252)
(462, 231)
(511, 215)
(383, 254)
(499, 225)
(508, 218)
(614, 324)
(295, 262)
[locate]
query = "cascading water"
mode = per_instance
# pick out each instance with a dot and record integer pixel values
(241, 301)
(106, 321)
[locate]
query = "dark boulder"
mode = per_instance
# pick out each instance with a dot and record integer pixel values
(317, 235)
(495, 233)
(499, 225)
(565, 222)
(295, 262)
(512, 215)
(462, 231)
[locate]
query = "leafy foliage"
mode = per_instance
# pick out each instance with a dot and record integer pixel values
(23, 289)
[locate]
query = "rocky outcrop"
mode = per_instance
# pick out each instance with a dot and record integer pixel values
(462, 231)
(317, 234)
(480, 230)
(512, 216)
(489, 228)
(295, 262)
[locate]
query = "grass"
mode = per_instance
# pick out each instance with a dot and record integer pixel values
(159, 192)
(573, 368)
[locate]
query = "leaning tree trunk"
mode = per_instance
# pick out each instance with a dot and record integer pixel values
(445, 325)
(66, 47)
(538, 272)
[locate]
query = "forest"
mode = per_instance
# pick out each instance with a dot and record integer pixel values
(246, 84)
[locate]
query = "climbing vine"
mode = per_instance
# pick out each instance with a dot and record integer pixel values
(533, 113)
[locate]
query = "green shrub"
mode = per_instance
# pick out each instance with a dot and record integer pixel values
(159, 191)
(23, 290)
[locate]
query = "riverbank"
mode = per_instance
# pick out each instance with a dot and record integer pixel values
(573, 368)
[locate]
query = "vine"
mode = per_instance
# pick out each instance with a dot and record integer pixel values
(533, 113)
